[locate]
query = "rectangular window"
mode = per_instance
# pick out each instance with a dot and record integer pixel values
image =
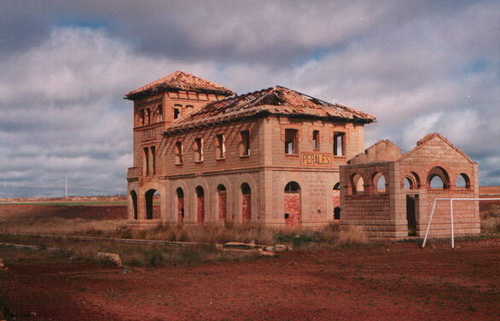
(145, 162)
(177, 111)
(339, 144)
(198, 150)
(291, 142)
(153, 160)
(315, 141)
(178, 153)
(245, 143)
(220, 147)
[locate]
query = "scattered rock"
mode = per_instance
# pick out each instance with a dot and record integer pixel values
(2, 266)
(110, 257)
(265, 253)
(280, 248)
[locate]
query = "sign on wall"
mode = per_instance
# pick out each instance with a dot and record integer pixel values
(316, 159)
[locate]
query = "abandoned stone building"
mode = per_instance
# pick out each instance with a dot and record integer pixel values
(269, 157)
(204, 155)
(391, 194)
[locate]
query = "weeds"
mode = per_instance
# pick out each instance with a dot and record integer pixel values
(5, 312)
(352, 234)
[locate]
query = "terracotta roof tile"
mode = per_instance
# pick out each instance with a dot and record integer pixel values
(180, 80)
(276, 100)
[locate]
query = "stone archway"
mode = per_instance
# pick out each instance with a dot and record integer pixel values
(292, 205)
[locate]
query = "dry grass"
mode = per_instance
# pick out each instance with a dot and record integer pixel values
(61, 226)
(490, 217)
(352, 234)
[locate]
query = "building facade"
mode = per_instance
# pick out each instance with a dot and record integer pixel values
(391, 194)
(203, 155)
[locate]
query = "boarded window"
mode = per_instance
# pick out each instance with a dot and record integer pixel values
(245, 143)
(291, 142)
(339, 144)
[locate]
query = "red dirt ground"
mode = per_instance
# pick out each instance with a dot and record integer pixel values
(383, 282)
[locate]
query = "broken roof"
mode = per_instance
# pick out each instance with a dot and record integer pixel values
(179, 80)
(276, 101)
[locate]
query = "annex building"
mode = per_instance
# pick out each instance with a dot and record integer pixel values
(204, 155)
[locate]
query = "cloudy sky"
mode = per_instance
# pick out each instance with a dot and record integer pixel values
(419, 66)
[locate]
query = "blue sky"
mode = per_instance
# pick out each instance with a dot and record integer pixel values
(419, 66)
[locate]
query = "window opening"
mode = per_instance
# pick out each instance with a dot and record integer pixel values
(245, 143)
(291, 141)
(315, 141)
(198, 150)
(178, 153)
(145, 162)
(220, 147)
(338, 144)
(153, 160)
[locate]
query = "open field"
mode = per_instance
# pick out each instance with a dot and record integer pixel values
(380, 282)
(325, 281)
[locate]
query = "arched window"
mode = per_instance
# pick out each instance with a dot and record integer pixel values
(292, 187)
(438, 178)
(133, 196)
(357, 184)
(336, 187)
(379, 182)
(436, 182)
(462, 181)
(408, 183)
(180, 205)
(222, 202)
(246, 203)
(200, 204)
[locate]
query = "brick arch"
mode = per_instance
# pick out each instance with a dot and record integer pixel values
(292, 204)
(357, 183)
(376, 182)
(466, 180)
(222, 201)
(180, 209)
(442, 173)
(413, 177)
(238, 197)
(150, 210)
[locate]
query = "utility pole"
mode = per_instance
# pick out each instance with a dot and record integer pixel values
(66, 186)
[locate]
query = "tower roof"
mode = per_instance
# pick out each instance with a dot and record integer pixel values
(179, 80)
(276, 100)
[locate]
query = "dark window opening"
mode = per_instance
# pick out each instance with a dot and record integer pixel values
(245, 143)
(291, 142)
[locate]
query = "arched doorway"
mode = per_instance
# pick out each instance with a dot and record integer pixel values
(222, 202)
(336, 201)
(246, 203)
(153, 199)
(133, 196)
(200, 205)
(180, 205)
(292, 204)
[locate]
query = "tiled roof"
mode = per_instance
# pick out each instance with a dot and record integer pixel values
(180, 80)
(276, 100)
